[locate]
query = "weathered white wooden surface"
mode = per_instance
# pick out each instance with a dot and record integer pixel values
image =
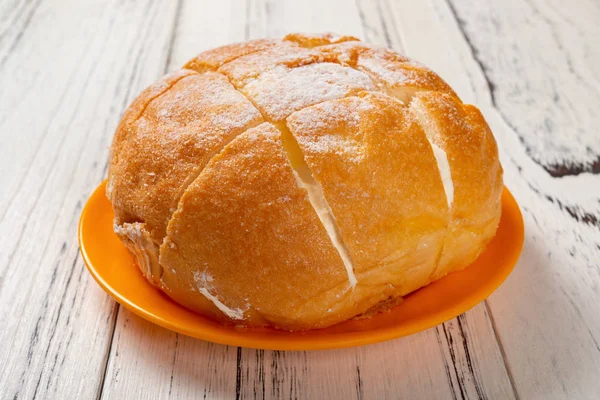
(67, 71)
(546, 315)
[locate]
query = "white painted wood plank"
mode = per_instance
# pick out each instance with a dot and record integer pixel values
(149, 362)
(522, 38)
(378, 24)
(66, 75)
(546, 314)
(303, 375)
(276, 19)
(198, 30)
(478, 364)
(452, 360)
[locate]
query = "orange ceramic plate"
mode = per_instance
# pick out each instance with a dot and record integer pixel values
(113, 268)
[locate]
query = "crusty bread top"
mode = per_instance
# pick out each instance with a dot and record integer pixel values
(462, 133)
(300, 182)
(252, 212)
(157, 161)
(353, 149)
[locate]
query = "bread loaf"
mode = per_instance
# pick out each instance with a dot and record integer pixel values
(298, 183)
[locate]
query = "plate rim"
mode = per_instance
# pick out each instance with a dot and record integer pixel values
(230, 335)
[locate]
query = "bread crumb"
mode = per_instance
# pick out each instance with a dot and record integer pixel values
(203, 281)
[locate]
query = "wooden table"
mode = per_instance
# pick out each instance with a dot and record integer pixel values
(68, 69)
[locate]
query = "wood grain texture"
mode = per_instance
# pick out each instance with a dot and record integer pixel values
(557, 133)
(545, 315)
(69, 69)
(147, 361)
(65, 80)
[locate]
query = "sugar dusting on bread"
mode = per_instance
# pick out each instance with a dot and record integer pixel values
(244, 69)
(282, 90)
(344, 146)
(178, 132)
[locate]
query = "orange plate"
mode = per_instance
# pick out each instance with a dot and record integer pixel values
(113, 268)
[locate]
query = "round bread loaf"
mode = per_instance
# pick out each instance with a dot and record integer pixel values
(298, 183)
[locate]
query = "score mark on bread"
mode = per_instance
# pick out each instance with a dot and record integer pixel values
(317, 199)
(298, 183)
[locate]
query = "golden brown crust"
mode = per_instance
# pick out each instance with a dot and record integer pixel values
(243, 69)
(280, 91)
(476, 173)
(270, 231)
(386, 194)
(212, 59)
(176, 134)
(258, 240)
(381, 307)
(294, 50)
(404, 80)
(311, 40)
(134, 111)
(349, 53)
(394, 73)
